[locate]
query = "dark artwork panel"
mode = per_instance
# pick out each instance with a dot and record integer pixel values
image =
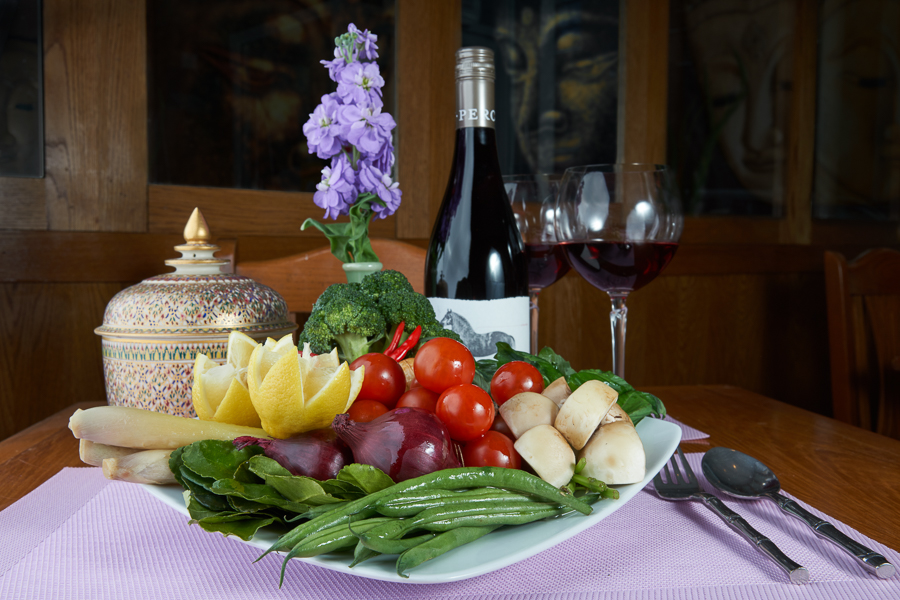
(232, 83)
(21, 89)
(557, 79)
(857, 169)
(730, 81)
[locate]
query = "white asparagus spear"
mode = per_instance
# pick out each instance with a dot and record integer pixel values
(148, 466)
(144, 429)
(92, 453)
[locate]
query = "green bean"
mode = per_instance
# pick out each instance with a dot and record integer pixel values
(402, 507)
(447, 479)
(390, 529)
(438, 545)
(391, 546)
(334, 538)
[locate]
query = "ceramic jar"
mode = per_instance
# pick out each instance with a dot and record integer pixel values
(152, 331)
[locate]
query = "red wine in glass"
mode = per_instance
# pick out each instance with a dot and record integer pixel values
(546, 264)
(533, 201)
(620, 225)
(619, 267)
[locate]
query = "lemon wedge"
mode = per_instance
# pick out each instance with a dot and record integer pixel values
(296, 392)
(219, 392)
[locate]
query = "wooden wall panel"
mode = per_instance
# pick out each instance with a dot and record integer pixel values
(50, 357)
(22, 204)
(233, 212)
(796, 227)
(95, 115)
(643, 81)
(762, 332)
(426, 101)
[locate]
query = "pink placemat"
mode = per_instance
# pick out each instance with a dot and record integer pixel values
(80, 536)
(688, 433)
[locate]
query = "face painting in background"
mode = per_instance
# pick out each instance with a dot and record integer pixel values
(238, 79)
(20, 115)
(562, 60)
(858, 122)
(742, 52)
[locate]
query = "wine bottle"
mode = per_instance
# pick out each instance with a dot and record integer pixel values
(476, 271)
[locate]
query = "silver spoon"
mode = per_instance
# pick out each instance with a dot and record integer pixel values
(743, 476)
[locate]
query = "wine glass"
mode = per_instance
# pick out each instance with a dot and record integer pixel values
(533, 200)
(619, 225)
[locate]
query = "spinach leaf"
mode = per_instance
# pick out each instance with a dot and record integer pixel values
(200, 488)
(484, 372)
(298, 489)
(218, 459)
(366, 477)
(617, 383)
(642, 404)
(239, 524)
(259, 493)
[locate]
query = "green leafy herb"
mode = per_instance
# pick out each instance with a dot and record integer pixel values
(552, 366)
(239, 524)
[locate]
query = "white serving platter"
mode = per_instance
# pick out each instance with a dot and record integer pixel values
(495, 550)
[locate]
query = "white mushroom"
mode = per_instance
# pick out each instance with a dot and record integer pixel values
(548, 453)
(616, 413)
(558, 391)
(526, 410)
(583, 410)
(614, 455)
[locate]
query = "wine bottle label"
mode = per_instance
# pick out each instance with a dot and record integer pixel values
(480, 324)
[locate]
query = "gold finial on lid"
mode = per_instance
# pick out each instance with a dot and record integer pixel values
(196, 230)
(197, 251)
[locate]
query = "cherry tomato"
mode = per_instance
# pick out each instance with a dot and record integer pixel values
(466, 410)
(419, 397)
(441, 363)
(493, 449)
(501, 426)
(384, 379)
(514, 378)
(363, 411)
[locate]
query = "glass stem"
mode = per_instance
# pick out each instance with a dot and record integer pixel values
(617, 325)
(533, 294)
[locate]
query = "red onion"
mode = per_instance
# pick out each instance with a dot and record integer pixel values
(318, 453)
(404, 442)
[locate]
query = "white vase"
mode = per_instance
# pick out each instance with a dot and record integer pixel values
(356, 271)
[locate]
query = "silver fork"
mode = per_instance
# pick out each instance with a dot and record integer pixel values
(684, 486)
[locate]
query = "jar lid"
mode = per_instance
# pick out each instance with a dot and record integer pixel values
(197, 299)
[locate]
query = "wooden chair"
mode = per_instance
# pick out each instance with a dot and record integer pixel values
(864, 334)
(301, 278)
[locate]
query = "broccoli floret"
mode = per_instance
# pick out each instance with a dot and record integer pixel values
(360, 318)
(399, 302)
(345, 317)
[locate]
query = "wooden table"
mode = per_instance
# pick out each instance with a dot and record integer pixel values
(848, 473)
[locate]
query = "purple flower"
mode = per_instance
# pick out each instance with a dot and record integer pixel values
(322, 131)
(365, 43)
(372, 179)
(360, 83)
(384, 159)
(337, 190)
(335, 66)
(366, 128)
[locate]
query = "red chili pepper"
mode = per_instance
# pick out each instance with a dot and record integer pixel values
(397, 335)
(406, 346)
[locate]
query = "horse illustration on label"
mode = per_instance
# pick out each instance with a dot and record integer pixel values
(479, 344)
